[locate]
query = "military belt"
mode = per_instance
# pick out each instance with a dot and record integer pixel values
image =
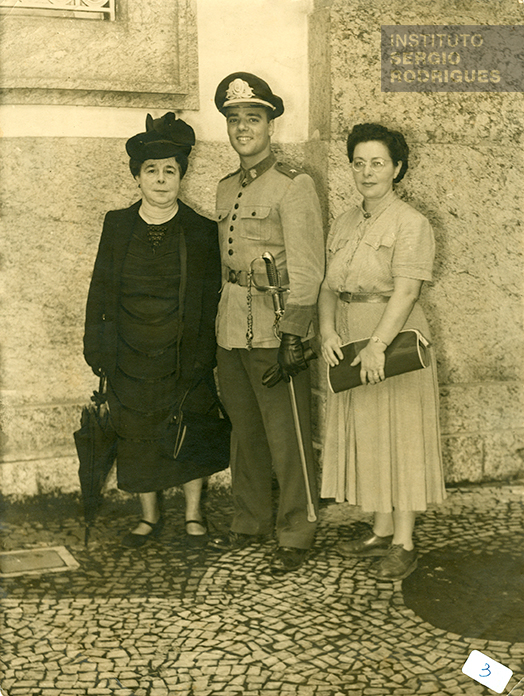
(241, 277)
(363, 297)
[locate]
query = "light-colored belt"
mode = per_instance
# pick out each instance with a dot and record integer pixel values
(241, 277)
(363, 297)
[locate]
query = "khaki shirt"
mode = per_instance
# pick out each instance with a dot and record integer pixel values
(365, 252)
(269, 208)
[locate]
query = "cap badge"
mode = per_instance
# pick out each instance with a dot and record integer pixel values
(239, 89)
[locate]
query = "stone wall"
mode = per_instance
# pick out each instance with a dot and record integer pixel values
(56, 192)
(466, 169)
(465, 174)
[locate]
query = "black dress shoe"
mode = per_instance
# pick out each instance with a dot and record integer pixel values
(286, 559)
(197, 541)
(135, 541)
(234, 541)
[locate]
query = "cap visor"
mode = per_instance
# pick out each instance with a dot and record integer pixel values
(259, 102)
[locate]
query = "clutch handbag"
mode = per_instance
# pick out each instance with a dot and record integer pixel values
(408, 351)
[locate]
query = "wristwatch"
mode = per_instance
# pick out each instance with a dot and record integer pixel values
(376, 339)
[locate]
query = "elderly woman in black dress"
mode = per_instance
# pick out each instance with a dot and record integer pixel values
(150, 324)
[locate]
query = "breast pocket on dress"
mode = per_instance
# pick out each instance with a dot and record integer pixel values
(255, 223)
(386, 239)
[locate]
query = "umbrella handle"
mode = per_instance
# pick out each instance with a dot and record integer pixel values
(100, 397)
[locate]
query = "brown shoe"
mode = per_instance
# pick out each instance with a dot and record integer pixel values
(368, 544)
(397, 564)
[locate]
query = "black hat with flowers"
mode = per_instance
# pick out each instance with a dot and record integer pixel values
(167, 136)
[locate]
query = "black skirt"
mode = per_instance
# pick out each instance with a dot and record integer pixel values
(148, 465)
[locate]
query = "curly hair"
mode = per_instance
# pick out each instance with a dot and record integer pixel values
(393, 140)
(135, 166)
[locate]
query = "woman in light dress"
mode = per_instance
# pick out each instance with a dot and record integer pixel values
(382, 440)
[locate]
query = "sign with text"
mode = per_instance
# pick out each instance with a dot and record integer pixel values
(452, 58)
(486, 671)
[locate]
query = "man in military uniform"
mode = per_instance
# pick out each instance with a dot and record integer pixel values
(266, 206)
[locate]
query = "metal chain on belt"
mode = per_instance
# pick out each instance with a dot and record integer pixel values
(249, 332)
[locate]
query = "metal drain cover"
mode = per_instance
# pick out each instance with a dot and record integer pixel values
(49, 559)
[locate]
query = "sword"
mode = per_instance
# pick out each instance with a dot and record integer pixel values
(276, 290)
(273, 375)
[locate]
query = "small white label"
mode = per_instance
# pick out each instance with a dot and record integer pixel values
(486, 671)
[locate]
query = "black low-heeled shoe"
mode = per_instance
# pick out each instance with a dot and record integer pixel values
(197, 540)
(135, 541)
(286, 560)
(234, 541)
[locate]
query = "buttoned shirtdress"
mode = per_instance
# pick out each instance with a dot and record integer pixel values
(271, 207)
(382, 442)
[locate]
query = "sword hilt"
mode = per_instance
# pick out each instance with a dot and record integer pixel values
(271, 268)
(272, 277)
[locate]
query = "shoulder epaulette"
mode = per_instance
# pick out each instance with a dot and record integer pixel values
(228, 176)
(288, 170)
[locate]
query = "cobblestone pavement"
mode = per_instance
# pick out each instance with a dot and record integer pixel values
(167, 620)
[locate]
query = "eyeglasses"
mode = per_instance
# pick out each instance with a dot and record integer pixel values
(377, 165)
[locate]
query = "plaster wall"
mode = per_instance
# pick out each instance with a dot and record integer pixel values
(231, 35)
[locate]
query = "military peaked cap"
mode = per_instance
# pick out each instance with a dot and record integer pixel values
(167, 136)
(245, 88)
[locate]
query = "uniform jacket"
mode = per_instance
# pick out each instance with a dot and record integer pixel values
(274, 208)
(198, 345)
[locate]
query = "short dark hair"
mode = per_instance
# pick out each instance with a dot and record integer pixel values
(136, 165)
(393, 140)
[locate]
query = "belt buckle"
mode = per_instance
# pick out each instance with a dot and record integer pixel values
(232, 278)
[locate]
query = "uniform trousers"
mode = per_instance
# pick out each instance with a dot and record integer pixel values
(264, 439)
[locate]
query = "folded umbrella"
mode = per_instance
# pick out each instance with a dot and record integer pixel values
(96, 447)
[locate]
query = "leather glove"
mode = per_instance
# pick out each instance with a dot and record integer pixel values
(293, 357)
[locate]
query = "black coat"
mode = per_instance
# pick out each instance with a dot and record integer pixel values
(198, 345)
